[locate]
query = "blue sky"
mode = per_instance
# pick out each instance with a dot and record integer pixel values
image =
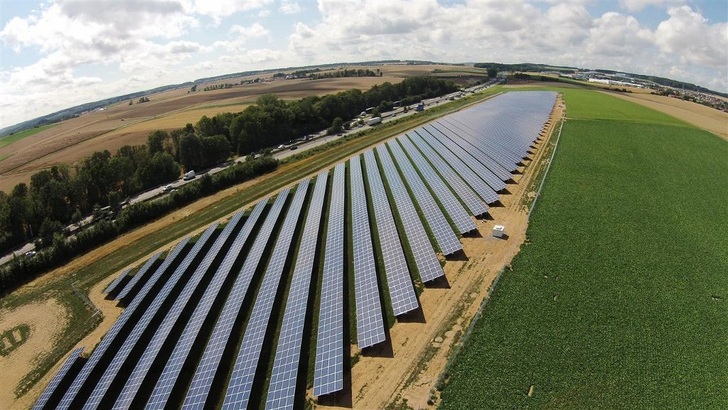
(58, 53)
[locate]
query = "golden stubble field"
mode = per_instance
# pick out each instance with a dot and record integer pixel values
(123, 124)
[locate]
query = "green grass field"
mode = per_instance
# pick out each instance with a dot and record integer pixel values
(5, 141)
(620, 298)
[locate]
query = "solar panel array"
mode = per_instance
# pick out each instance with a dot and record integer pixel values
(329, 366)
(181, 351)
(449, 202)
(427, 264)
(369, 322)
(103, 384)
(282, 386)
(57, 379)
(206, 369)
(115, 330)
(135, 379)
(138, 276)
(114, 283)
(439, 226)
(475, 204)
(401, 291)
(241, 380)
(433, 177)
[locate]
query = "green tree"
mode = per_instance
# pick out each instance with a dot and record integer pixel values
(156, 141)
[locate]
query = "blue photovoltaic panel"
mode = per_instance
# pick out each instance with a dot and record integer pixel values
(57, 379)
(282, 386)
(246, 362)
(112, 286)
(113, 333)
(401, 291)
(329, 368)
(369, 323)
(207, 368)
(487, 154)
(495, 149)
(425, 258)
(440, 227)
(450, 203)
(181, 351)
(484, 173)
(133, 381)
(472, 179)
(137, 277)
(109, 376)
(475, 204)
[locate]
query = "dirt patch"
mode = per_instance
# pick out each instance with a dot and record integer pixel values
(46, 321)
(421, 348)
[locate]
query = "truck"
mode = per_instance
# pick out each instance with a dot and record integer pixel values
(420, 107)
(374, 121)
(189, 175)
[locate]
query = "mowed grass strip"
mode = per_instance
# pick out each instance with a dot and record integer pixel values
(620, 300)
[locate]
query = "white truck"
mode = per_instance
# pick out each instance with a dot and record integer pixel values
(189, 175)
(374, 121)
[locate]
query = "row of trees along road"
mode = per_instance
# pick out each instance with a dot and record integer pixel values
(63, 194)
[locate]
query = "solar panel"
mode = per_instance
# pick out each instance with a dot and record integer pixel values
(57, 379)
(112, 286)
(282, 386)
(475, 204)
(369, 323)
(440, 227)
(486, 141)
(482, 153)
(181, 351)
(207, 367)
(483, 172)
(138, 276)
(329, 367)
(428, 266)
(479, 186)
(113, 333)
(449, 202)
(246, 362)
(109, 376)
(401, 291)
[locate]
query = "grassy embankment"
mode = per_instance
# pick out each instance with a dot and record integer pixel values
(619, 298)
(67, 288)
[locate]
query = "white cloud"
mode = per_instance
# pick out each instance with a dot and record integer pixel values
(688, 35)
(217, 9)
(289, 7)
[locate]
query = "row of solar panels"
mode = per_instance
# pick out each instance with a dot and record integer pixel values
(424, 184)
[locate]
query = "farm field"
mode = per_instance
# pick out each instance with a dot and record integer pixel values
(618, 300)
(123, 124)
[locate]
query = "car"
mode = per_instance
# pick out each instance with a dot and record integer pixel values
(294, 147)
(30, 254)
(281, 146)
(167, 188)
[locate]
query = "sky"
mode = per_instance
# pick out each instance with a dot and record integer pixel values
(55, 54)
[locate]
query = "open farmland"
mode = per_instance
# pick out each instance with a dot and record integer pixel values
(123, 124)
(619, 298)
(405, 153)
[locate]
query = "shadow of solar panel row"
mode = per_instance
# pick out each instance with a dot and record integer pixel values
(425, 258)
(474, 203)
(109, 376)
(206, 369)
(116, 328)
(240, 385)
(57, 379)
(446, 239)
(138, 276)
(466, 157)
(112, 286)
(444, 195)
(282, 386)
(329, 364)
(133, 381)
(471, 178)
(401, 292)
(369, 322)
(181, 351)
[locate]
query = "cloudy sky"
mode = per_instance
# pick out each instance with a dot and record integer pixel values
(58, 53)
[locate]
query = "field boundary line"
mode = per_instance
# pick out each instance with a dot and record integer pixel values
(548, 166)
